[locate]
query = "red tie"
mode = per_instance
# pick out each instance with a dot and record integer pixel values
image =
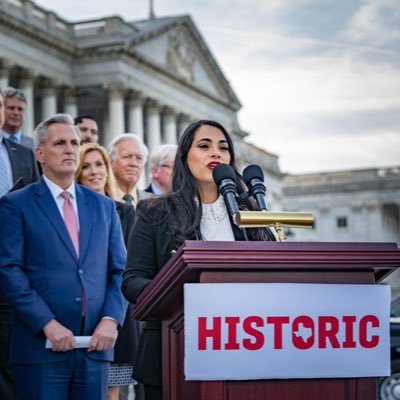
(71, 220)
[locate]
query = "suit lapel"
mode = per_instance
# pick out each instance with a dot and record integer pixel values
(49, 207)
(14, 157)
(85, 212)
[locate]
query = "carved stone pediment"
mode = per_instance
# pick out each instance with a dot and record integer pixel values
(175, 46)
(180, 55)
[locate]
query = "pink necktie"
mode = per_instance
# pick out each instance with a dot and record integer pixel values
(71, 220)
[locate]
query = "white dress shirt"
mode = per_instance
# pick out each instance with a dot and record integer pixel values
(56, 191)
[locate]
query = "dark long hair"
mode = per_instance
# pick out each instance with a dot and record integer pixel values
(182, 205)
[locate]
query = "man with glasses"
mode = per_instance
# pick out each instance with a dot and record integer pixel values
(161, 165)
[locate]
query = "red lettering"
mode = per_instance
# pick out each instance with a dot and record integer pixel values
(374, 322)
(278, 326)
(257, 335)
(232, 323)
(213, 333)
(328, 327)
(303, 332)
(349, 342)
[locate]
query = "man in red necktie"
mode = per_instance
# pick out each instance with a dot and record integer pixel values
(61, 262)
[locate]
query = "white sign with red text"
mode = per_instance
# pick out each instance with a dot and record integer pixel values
(245, 331)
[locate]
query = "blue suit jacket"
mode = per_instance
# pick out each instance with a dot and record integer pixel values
(41, 276)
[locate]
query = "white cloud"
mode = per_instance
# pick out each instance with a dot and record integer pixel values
(370, 23)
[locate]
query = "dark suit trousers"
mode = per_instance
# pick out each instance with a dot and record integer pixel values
(76, 378)
(7, 385)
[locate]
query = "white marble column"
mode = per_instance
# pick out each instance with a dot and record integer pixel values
(183, 122)
(135, 117)
(153, 125)
(27, 86)
(115, 111)
(71, 102)
(170, 127)
(49, 101)
(5, 66)
(375, 222)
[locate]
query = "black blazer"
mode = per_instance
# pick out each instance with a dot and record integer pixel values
(128, 335)
(126, 213)
(24, 171)
(23, 164)
(149, 248)
(149, 189)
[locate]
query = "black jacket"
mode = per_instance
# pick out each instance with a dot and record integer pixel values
(149, 248)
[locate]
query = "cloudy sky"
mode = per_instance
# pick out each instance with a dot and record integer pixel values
(319, 80)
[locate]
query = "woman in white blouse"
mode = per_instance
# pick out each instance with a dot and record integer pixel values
(192, 210)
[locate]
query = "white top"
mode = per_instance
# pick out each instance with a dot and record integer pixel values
(215, 223)
(56, 191)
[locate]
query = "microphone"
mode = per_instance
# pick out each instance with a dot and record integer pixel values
(224, 177)
(254, 179)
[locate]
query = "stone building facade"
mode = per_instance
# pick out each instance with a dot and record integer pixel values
(348, 206)
(354, 205)
(151, 77)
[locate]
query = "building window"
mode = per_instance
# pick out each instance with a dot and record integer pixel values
(341, 222)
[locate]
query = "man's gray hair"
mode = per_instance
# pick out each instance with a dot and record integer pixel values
(13, 92)
(161, 154)
(112, 147)
(42, 129)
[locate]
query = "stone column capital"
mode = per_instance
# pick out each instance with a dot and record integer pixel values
(170, 111)
(115, 88)
(135, 95)
(27, 75)
(48, 85)
(153, 105)
(5, 64)
(71, 92)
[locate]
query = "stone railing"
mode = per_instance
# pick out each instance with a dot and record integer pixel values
(110, 26)
(36, 17)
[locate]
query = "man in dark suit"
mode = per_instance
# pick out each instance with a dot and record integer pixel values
(128, 156)
(17, 169)
(61, 261)
(14, 112)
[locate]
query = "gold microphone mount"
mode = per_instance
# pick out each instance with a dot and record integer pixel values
(275, 219)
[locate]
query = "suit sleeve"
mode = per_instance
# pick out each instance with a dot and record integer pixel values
(35, 169)
(115, 304)
(142, 263)
(14, 283)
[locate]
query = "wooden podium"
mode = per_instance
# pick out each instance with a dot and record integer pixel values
(228, 262)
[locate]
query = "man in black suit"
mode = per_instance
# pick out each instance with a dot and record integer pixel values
(17, 169)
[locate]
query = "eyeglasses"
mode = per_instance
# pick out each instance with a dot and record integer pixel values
(167, 166)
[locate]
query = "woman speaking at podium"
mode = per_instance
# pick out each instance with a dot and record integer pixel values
(192, 210)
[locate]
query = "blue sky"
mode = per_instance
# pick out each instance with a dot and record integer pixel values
(319, 80)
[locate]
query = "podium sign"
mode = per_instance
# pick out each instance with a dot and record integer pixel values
(247, 331)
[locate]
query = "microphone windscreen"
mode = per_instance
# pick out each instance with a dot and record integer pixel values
(251, 172)
(221, 172)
